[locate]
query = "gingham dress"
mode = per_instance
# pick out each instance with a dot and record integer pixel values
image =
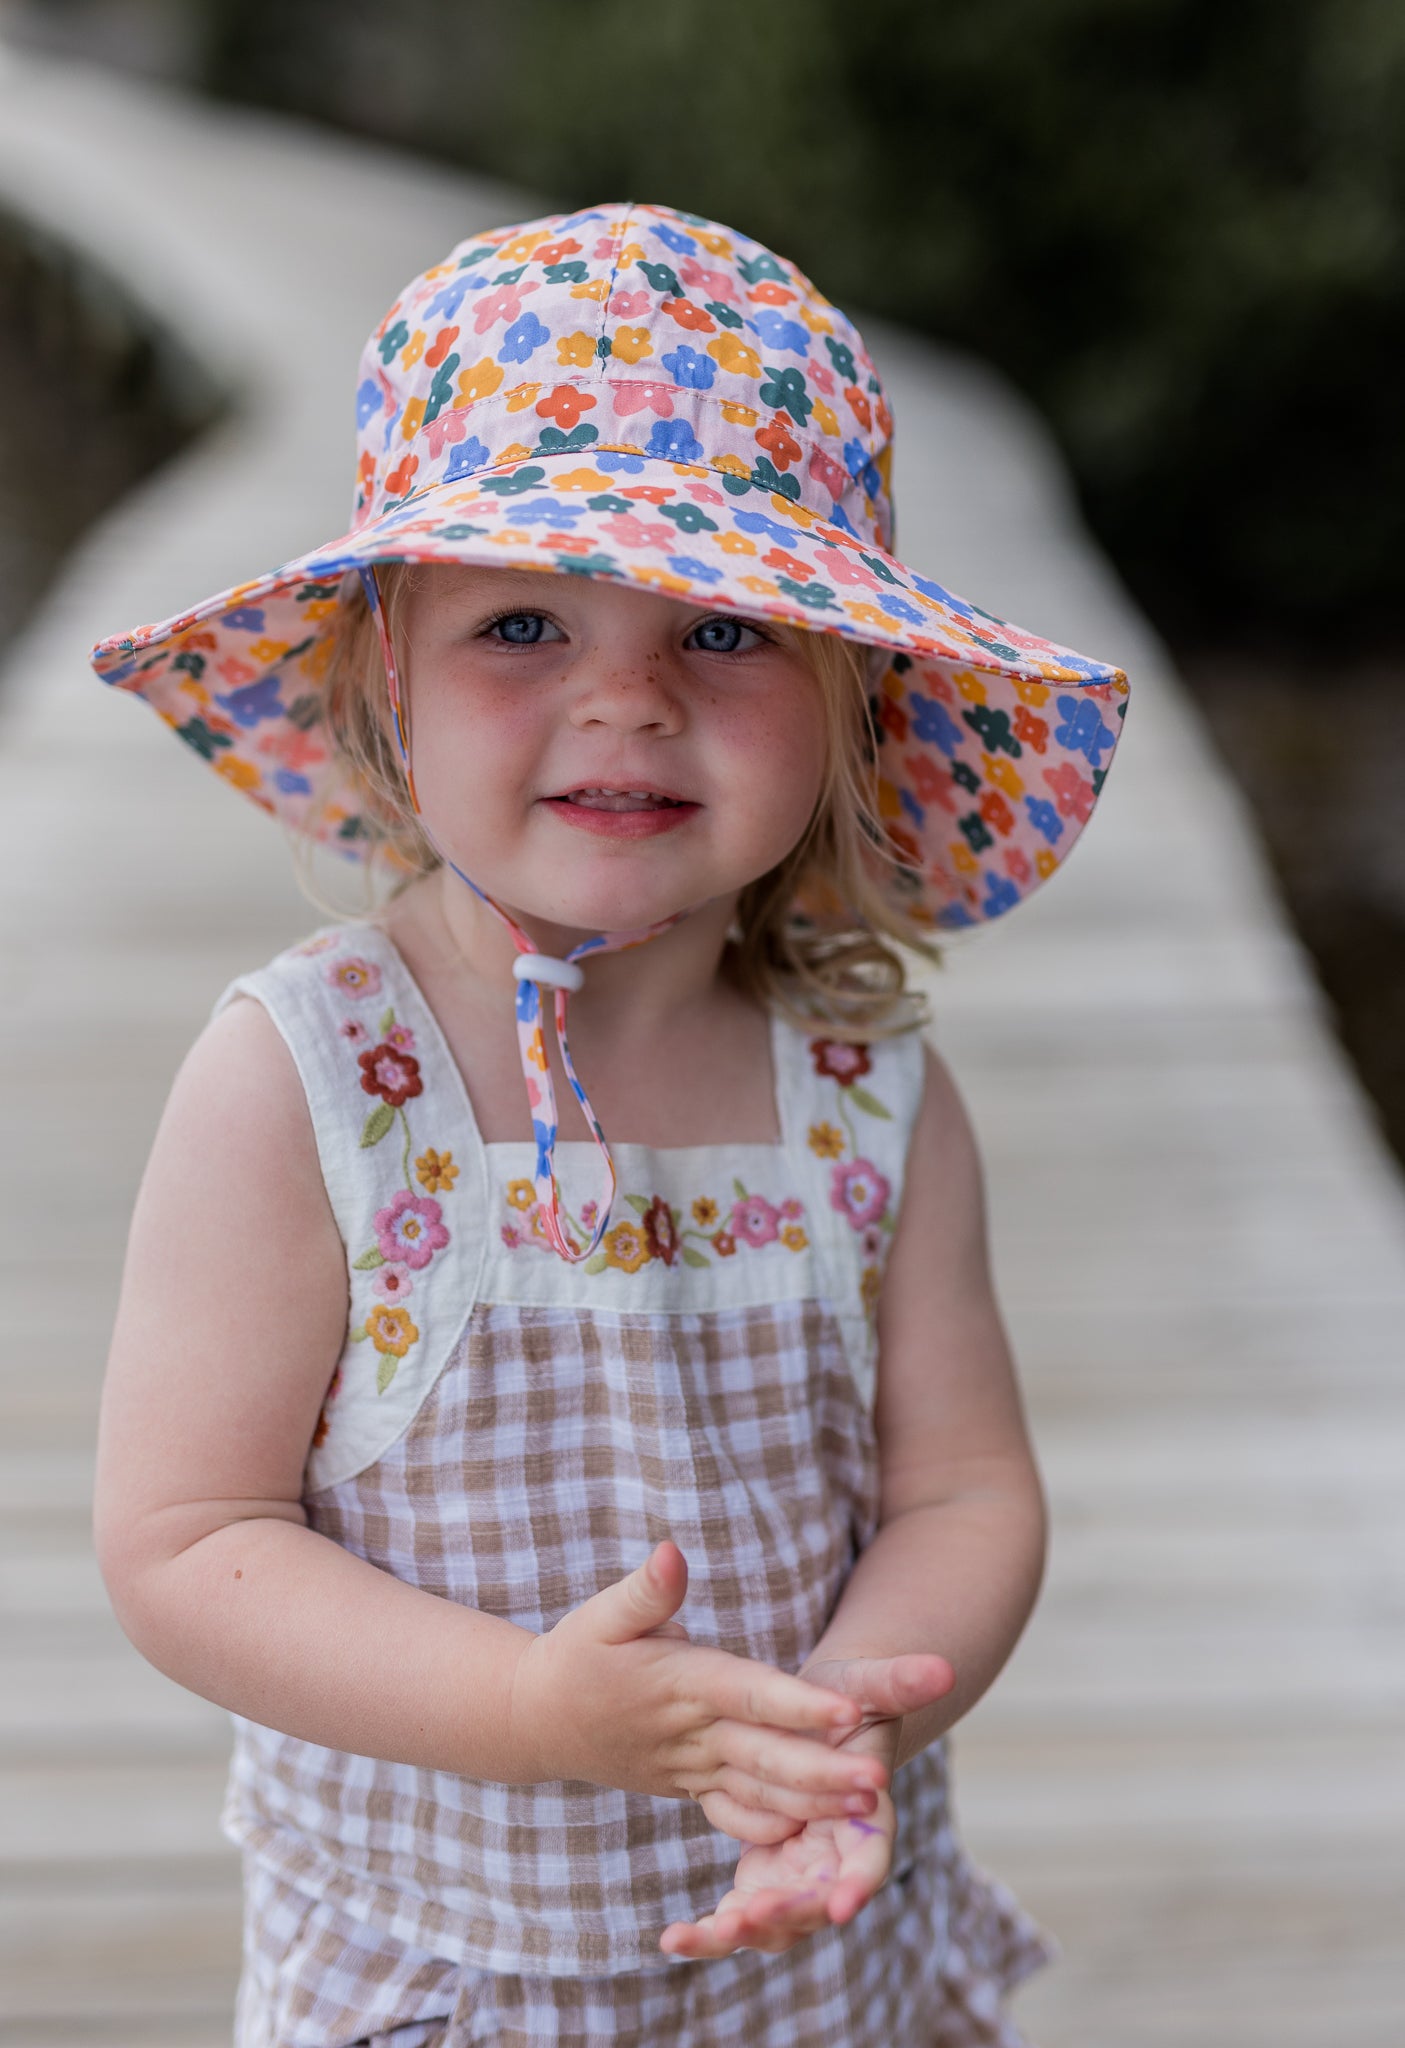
(515, 1433)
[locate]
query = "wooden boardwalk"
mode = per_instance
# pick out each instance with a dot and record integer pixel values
(1194, 1769)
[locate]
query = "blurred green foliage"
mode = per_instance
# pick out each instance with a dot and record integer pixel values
(1176, 224)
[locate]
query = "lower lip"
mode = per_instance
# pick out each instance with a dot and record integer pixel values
(621, 824)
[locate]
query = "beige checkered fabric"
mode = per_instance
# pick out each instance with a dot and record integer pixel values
(564, 1433)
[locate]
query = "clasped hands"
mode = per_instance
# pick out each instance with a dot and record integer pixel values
(798, 1768)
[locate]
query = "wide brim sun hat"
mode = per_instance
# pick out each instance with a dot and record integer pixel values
(633, 393)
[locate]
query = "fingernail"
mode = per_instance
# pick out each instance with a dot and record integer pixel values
(859, 1804)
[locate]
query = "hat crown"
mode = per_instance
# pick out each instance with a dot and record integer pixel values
(592, 342)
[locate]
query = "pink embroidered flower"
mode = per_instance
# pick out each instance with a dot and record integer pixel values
(355, 976)
(843, 1063)
(394, 1076)
(354, 1032)
(859, 1192)
(791, 1209)
(511, 1236)
(660, 1230)
(754, 1221)
(409, 1230)
(590, 1213)
(401, 1037)
(393, 1282)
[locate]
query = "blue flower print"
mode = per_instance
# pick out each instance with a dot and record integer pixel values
(930, 589)
(692, 371)
(914, 809)
(1000, 895)
(862, 468)
(839, 517)
(758, 522)
(673, 238)
(251, 705)
(291, 784)
(523, 339)
(674, 440)
(933, 725)
(447, 300)
(689, 565)
(955, 917)
(1044, 818)
(1083, 731)
(613, 465)
(245, 618)
(898, 607)
(369, 401)
(547, 512)
(778, 332)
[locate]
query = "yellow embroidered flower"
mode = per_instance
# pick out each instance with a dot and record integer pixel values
(626, 1247)
(521, 1194)
(391, 1330)
(631, 344)
(435, 1171)
(826, 1142)
(704, 1212)
(793, 1237)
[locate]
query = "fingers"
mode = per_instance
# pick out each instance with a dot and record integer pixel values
(754, 1824)
(644, 1602)
(901, 1685)
(744, 1691)
(771, 1921)
(762, 1795)
(794, 1762)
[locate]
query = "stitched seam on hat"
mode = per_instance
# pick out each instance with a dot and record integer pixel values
(599, 364)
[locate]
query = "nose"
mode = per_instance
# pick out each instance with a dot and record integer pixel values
(627, 694)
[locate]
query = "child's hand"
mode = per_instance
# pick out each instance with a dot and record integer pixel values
(616, 1694)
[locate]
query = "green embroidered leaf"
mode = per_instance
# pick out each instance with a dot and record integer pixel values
(597, 1264)
(386, 1370)
(358, 1335)
(869, 1103)
(637, 1203)
(387, 1022)
(740, 1190)
(368, 1261)
(692, 1258)
(377, 1124)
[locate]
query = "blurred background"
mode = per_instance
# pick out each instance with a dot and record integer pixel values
(1133, 273)
(1175, 225)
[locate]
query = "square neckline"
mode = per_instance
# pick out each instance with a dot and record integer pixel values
(583, 1146)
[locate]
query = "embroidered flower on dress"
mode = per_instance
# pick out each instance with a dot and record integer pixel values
(435, 1171)
(839, 1060)
(401, 1037)
(394, 1076)
(859, 1192)
(391, 1330)
(826, 1142)
(660, 1231)
(705, 1212)
(724, 1245)
(753, 1219)
(354, 1032)
(793, 1237)
(355, 976)
(409, 1229)
(393, 1282)
(626, 1247)
(521, 1194)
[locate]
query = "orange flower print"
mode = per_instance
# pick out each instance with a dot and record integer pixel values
(632, 344)
(688, 315)
(859, 405)
(436, 1171)
(781, 446)
(724, 1244)
(825, 1141)
(565, 404)
(521, 1194)
(391, 1330)
(626, 1247)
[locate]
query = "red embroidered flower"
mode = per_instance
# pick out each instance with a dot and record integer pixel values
(843, 1063)
(393, 1075)
(724, 1244)
(660, 1230)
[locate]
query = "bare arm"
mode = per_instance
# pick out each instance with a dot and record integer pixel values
(956, 1565)
(232, 1316)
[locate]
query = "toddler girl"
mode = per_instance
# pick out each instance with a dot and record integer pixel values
(594, 1544)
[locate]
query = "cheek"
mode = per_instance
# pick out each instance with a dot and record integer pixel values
(777, 752)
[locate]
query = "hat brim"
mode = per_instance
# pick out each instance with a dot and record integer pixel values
(993, 743)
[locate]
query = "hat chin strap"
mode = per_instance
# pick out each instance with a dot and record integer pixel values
(534, 972)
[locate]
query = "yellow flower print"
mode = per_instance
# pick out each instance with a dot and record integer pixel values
(577, 349)
(737, 544)
(866, 614)
(1030, 692)
(580, 480)
(521, 1194)
(715, 244)
(266, 652)
(413, 349)
(826, 418)
(970, 685)
(626, 1247)
(481, 380)
(764, 586)
(632, 344)
(704, 1212)
(436, 1171)
(593, 288)
(826, 1142)
(521, 396)
(1046, 861)
(962, 858)
(242, 774)
(1003, 774)
(412, 419)
(733, 465)
(521, 246)
(739, 415)
(391, 1330)
(793, 1237)
(734, 355)
(816, 322)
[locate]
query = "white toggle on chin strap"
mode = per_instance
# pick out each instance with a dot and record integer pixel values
(545, 969)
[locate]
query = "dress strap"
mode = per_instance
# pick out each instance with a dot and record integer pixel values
(405, 1171)
(847, 1113)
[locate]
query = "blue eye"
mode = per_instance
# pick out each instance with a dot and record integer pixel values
(520, 629)
(721, 635)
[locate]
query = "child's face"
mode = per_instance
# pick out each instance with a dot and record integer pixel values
(601, 757)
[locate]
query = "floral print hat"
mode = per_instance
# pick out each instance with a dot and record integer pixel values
(635, 393)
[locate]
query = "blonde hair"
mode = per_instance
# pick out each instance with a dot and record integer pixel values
(816, 937)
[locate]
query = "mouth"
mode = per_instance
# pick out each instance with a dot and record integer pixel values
(601, 797)
(612, 812)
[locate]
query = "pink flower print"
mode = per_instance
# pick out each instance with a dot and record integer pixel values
(820, 377)
(633, 394)
(1072, 792)
(511, 1236)
(838, 563)
(409, 1230)
(792, 1210)
(503, 304)
(355, 976)
(393, 1282)
(627, 531)
(624, 305)
(717, 283)
(859, 1192)
(590, 1212)
(354, 1032)
(401, 1037)
(754, 1220)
